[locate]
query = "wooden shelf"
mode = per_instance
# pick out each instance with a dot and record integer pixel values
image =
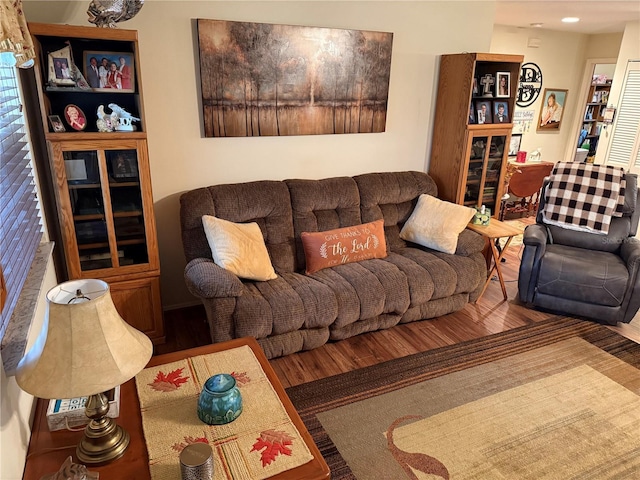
(135, 286)
(454, 150)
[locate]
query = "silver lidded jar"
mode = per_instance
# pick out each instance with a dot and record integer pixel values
(196, 462)
(220, 401)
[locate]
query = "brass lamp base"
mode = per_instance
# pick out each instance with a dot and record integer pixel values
(104, 440)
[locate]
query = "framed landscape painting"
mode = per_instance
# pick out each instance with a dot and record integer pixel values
(260, 79)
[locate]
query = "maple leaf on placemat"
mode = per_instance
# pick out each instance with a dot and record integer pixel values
(178, 447)
(272, 443)
(241, 377)
(168, 382)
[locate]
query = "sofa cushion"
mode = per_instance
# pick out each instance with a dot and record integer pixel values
(239, 248)
(588, 276)
(436, 224)
(392, 196)
(365, 290)
(320, 205)
(288, 303)
(343, 245)
(265, 202)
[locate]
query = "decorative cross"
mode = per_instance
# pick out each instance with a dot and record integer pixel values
(487, 81)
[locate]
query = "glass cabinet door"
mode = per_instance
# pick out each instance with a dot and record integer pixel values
(126, 206)
(106, 203)
(87, 206)
(483, 175)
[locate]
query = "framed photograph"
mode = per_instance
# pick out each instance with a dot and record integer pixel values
(514, 144)
(501, 112)
(483, 112)
(76, 170)
(475, 86)
(552, 110)
(472, 115)
(109, 71)
(124, 164)
(503, 88)
(56, 124)
(75, 117)
(609, 114)
(59, 68)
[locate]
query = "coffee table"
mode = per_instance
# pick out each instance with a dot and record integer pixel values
(47, 450)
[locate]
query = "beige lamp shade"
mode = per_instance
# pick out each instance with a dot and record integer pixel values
(84, 347)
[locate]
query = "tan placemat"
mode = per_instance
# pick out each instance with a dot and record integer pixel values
(261, 442)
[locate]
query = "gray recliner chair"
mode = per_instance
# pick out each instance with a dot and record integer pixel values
(584, 274)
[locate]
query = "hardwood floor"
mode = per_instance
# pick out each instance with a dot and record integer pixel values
(188, 328)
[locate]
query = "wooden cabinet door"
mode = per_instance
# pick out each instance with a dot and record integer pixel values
(138, 302)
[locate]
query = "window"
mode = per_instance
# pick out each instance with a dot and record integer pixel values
(20, 224)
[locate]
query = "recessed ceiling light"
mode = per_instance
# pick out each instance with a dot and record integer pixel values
(536, 25)
(570, 19)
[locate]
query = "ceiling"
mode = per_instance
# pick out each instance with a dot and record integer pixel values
(596, 16)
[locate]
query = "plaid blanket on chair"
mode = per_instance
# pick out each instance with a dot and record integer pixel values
(584, 197)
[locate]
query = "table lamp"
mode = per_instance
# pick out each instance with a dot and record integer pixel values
(84, 349)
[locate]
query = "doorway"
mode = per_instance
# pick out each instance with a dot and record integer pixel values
(597, 99)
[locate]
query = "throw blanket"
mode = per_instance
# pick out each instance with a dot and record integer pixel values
(584, 197)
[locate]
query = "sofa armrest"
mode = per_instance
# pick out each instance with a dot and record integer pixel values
(535, 235)
(469, 242)
(205, 279)
(535, 244)
(630, 252)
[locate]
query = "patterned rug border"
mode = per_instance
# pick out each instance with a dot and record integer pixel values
(332, 392)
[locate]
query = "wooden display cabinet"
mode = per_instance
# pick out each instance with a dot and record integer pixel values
(468, 160)
(102, 181)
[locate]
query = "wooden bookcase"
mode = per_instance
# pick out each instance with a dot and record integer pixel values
(101, 180)
(468, 160)
(592, 122)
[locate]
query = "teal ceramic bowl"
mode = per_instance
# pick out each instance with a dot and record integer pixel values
(220, 401)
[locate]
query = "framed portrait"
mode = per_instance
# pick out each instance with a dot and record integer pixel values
(483, 112)
(109, 71)
(514, 144)
(501, 112)
(124, 164)
(59, 68)
(503, 84)
(472, 115)
(75, 117)
(475, 86)
(552, 109)
(56, 124)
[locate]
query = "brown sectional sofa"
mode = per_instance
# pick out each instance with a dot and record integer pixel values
(298, 312)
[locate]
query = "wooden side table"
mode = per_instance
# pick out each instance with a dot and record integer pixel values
(493, 232)
(47, 450)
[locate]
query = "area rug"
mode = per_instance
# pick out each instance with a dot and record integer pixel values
(556, 399)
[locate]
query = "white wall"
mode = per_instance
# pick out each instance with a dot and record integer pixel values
(16, 406)
(181, 159)
(560, 56)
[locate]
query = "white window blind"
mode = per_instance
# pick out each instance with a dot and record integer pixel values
(20, 225)
(625, 142)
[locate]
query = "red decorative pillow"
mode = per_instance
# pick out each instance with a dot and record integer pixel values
(344, 245)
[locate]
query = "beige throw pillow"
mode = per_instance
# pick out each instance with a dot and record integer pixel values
(436, 224)
(239, 248)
